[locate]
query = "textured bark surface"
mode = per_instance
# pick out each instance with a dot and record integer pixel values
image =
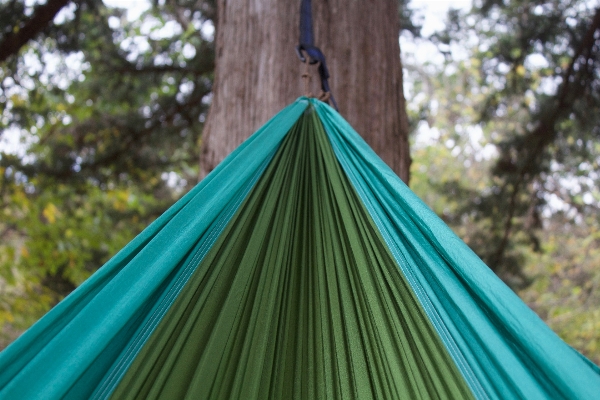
(258, 72)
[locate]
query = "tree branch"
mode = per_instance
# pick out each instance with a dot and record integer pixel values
(42, 17)
(544, 133)
(584, 47)
(498, 256)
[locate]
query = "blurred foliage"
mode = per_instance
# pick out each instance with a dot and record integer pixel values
(101, 118)
(526, 74)
(566, 282)
(410, 20)
(506, 150)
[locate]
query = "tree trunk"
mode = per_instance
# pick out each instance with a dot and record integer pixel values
(258, 72)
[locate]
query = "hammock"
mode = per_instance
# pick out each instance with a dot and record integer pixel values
(301, 267)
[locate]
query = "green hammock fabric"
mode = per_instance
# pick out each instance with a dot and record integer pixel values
(299, 298)
(302, 267)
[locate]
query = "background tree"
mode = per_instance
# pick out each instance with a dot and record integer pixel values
(257, 72)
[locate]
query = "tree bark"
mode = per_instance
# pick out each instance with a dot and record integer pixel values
(258, 73)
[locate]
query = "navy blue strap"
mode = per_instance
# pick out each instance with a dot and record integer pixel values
(307, 35)
(307, 45)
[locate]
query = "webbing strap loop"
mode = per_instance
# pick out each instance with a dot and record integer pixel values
(307, 46)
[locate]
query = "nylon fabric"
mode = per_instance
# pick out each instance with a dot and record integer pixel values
(301, 267)
(139, 338)
(503, 349)
(298, 299)
(67, 352)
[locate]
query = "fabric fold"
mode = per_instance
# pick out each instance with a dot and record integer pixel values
(301, 267)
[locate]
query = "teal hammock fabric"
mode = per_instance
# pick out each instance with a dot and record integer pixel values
(301, 267)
